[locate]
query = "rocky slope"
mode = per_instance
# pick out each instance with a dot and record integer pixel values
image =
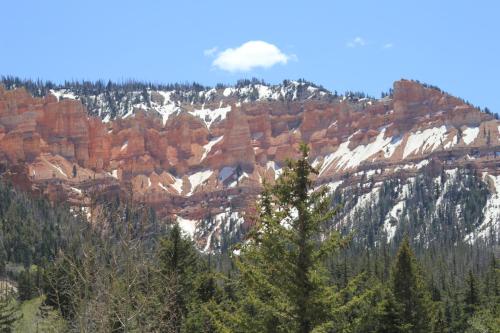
(200, 155)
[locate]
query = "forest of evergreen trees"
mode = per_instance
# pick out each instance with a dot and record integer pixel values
(291, 273)
(118, 96)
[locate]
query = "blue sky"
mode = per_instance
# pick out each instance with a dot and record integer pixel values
(343, 45)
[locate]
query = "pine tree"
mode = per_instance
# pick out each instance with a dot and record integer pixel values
(206, 291)
(178, 266)
(389, 315)
(3, 258)
(439, 324)
(8, 312)
(409, 291)
(282, 276)
(363, 306)
(471, 294)
(26, 285)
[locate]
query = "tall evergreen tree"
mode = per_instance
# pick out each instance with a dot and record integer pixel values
(410, 292)
(283, 280)
(389, 318)
(3, 258)
(471, 294)
(8, 312)
(492, 281)
(26, 285)
(178, 265)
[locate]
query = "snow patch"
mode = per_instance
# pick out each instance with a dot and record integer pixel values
(177, 184)
(63, 93)
(363, 201)
(219, 219)
(392, 218)
(188, 226)
(227, 92)
(344, 158)
(370, 173)
(87, 212)
(58, 168)
(391, 148)
(168, 108)
(334, 185)
(450, 177)
(422, 141)
(451, 142)
(240, 178)
(419, 165)
(210, 116)
(470, 134)
(491, 223)
(198, 178)
(77, 190)
(208, 147)
(264, 91)
(129, 113)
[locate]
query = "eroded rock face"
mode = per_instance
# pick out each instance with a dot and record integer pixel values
(202, 157)
(237, 146)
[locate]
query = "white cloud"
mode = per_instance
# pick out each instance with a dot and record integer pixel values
(210, 52)
(358, 41)
(388, 45)
(250, 55)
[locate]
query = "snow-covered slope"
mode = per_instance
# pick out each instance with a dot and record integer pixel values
(118, 101)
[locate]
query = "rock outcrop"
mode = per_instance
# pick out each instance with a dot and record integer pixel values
(191, 159)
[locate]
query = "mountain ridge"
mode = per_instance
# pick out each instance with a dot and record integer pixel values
(205, 156)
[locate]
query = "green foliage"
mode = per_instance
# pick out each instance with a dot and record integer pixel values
(283, 280)
(462, 196)
(31, 230)
(29, 283)
(359, 307)
(178, 262)
(8, 312)
(471, 294)
(38, 317)
(439, 324)
(62, 287)
(485, 306)
(410, 292)
(131, 274)
(3, 259)
(390, 315)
